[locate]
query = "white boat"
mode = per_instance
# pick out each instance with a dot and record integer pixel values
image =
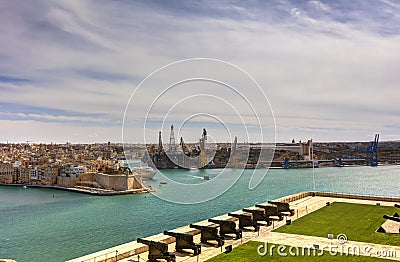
(144, 172)
(24, 187)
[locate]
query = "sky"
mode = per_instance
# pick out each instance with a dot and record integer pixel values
(327, 70)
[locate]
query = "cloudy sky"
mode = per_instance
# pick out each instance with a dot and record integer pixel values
(330, 69)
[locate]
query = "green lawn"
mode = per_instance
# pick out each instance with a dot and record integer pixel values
(357, 221)
(248, 253)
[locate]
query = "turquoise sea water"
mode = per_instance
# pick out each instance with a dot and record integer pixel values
(51, 225)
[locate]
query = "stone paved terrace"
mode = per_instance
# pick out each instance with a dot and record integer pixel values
(303, 203)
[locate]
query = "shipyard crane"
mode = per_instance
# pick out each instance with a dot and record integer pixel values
(183, 146)
(286, 163)
(371, 158)
(172, 146)
(233, 158)
(160, 145)
(203, 158)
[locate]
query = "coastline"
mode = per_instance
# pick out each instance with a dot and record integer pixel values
(84, 190)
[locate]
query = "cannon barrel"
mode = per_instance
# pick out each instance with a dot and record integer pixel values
(210, 228)
(240, 215)
(397, 219)
(254, 211)
(246, 220)
(397, 205)
(268, 207)
(186, 237)
(222, 222)
(158, 245)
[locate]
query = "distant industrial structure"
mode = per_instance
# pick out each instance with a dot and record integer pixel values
(75, 165)
(256, 155)
(371, 158)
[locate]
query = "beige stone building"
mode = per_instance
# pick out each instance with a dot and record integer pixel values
(7, 173)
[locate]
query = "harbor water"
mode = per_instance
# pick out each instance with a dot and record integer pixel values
(51, 225)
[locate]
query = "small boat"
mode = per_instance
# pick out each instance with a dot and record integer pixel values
(206, 178)
(24, 187)
(163, 182)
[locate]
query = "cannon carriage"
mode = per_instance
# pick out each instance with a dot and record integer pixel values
(209, 233)
(271, 211)
(227, 227)
(157, 250)
(283, 208)
(258, 215)
(246, 220)
(184, 241)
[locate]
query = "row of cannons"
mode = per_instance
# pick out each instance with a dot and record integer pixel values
(215, 233)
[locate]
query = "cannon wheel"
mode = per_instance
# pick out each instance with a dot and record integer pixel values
(197, 251)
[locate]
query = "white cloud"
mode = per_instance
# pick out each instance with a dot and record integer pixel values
(313, 63)
(320, 5)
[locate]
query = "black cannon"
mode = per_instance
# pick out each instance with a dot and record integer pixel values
(393, 218)
(184, 241)
(246, 220)
(157, 250)
(209, 233)
(283, 207)
(258, 215)
(271, 211)
(227, 227)
(397, 205)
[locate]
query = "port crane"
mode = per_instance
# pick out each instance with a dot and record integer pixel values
(202, 157)
(371, 157)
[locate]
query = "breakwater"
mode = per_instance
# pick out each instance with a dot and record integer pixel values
(83, 190)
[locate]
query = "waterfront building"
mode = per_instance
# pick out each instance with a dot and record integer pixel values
(6, 173)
